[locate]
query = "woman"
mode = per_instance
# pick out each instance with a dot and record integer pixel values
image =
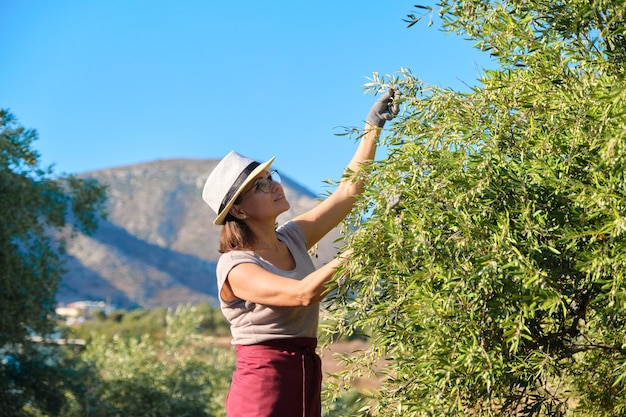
(269, 289)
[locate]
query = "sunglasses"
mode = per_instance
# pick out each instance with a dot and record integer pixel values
(265, 184)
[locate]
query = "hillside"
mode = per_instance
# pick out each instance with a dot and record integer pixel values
(158, 247)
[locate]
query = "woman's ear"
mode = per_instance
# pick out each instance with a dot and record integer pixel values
(237, 213)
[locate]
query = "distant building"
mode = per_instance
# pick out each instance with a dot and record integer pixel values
(79, 311)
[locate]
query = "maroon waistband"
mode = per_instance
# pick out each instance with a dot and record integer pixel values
(291, 343)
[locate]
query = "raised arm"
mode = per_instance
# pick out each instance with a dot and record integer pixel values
(318, 221)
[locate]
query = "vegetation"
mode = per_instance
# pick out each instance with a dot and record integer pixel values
(34, 205)
(177, 372)
(496, 285)
(145, 322)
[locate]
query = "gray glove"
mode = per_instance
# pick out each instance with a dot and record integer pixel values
(384, 109)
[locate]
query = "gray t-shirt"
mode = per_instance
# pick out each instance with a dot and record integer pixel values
(252, 323)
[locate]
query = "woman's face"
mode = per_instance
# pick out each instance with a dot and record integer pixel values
(264, 196)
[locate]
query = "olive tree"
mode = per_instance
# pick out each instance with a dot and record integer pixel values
(489, 246)
(33, 205)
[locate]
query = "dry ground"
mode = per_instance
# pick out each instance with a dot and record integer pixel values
(332, 365)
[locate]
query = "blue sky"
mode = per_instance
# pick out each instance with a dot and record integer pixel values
(115, 82)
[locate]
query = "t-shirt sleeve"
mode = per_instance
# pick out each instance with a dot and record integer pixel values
(227, 262)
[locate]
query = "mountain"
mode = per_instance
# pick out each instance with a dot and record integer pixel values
(158, 246)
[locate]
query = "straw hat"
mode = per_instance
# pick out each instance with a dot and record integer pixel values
(227, 180)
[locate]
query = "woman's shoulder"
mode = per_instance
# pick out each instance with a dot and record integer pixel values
(230, 259)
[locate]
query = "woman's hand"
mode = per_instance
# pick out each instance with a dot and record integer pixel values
(385, 108)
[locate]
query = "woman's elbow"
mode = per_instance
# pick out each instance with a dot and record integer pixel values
(308, 298)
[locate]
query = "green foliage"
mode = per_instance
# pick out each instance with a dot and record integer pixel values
(152, 322)
(213, 321)
(33, 206)
(121, 323)
(349, 403)
(44, 377)
(496, 281)
(184, 373)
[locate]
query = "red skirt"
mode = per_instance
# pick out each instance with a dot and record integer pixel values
(279, 378)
